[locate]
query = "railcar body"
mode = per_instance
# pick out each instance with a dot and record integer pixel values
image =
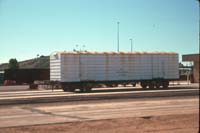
(85, 70)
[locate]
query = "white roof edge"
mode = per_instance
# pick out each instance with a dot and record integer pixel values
(112, 52)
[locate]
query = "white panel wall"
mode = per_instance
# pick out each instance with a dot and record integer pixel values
(173, 66)
(70, 68)
(55, 67)
(102, 67)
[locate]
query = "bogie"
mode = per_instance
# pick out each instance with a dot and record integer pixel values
(154, 84)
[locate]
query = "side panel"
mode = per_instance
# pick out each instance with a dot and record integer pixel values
(104, 67)
(91, 67)
(165, 66)
(143, 66)
(112, 67)
(157, 66)
(55, 67)
(173, 72)
(70, 71)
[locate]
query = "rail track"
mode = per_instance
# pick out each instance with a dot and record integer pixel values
(47, 96)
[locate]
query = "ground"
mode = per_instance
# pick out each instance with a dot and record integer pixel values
(183, 123)
(177, 111)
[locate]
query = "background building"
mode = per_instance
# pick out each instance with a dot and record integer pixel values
(195, 59)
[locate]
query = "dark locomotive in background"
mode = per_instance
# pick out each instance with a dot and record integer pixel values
(25, 76)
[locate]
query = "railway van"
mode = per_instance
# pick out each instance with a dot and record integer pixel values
(87, 70)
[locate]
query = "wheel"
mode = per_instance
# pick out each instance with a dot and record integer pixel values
(33, 86)
(157, 85)
(114, 85)
(133, 84)
(108, 85)
(165, 84)
(124, 85)
(151, 86)
(71, 89)
(88, 89)
(83, 90)
(65, 88)
(144, 85)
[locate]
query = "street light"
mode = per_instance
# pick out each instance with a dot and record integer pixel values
(131, 44)
(118, 36)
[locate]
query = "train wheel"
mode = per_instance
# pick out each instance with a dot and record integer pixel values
(88, 89)
(114, 85)
(165, 84)
(157, 85)
(83, 90)
(133, 84)
(124, 85)
(65, 88)
(151, 86)
(144, 85)
(71, 89)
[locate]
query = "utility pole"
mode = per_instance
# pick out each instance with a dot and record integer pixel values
(77, 47)
(83, 47)
(199, 19)
(131, 44)
(117, 36)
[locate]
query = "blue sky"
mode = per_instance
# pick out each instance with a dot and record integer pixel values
(31, 27)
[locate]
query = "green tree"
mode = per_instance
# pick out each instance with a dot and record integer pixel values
(13, 64)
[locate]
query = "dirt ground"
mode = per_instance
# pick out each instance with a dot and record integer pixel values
(184, 123)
